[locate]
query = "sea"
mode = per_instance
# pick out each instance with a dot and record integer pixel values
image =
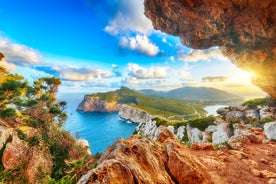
(100, 129)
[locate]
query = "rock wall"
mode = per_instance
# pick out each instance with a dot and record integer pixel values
(94, 104)
(244, 30)
(133, 114)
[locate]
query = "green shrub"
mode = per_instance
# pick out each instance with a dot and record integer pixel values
(6, 113)
(253, 103)
(202, 123)
(21, 134)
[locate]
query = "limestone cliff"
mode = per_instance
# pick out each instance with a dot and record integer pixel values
(134, 114)
(244, 30)
(95, 104)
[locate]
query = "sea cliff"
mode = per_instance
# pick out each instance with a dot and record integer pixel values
(95, 104)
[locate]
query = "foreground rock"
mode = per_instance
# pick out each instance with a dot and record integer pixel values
(244, 30)
(270, 130)
(138, 160)
(134, 160)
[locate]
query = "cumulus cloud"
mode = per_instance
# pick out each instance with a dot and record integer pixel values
(144, 73)
(19, 54)
(130, 17)
(215, 78)
(139, 43)
(73, 73)
(204, 55)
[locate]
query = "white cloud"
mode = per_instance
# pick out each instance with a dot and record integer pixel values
(133, 82)
(19, 54)
(139, 43)
(74, 73)
(204, 55)
(130, 17)
(164, 40)
(184, 75)
(144, 73)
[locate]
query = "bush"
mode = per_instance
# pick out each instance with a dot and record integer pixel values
(202, 123)
(6, 113)
(253, 103)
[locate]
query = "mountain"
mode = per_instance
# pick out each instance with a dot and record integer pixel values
(210, 95)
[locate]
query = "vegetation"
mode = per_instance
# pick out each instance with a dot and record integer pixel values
(169, 108)
(37, 116)
(200, 123)
(253, 103)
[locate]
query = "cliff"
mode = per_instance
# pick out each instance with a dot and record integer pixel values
(244, 30)
(134, 114)
(95, 104)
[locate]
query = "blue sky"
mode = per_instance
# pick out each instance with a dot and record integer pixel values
(98, 45)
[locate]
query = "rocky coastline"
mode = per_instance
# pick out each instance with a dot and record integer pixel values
(169, 154)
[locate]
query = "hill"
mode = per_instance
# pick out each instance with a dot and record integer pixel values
(208, 95)
(169, 108)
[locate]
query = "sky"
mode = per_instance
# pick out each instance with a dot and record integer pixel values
(100, 45)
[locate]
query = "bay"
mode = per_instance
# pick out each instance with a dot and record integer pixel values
(212, 109)
(100, 129)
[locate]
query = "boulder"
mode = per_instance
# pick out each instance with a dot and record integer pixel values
(235, 116)
(252, 115)
(223, 111)
(15, 154)
(223, 133)
(5, 134)
(267, 113)
(40, 164)
(148, 129)
(270, 130)
(194, 135)
(180, 132)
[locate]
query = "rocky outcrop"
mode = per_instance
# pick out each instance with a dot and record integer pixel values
(270, 130)
(243, 113)
(134, 114)
(134, 160)
(138, 160)
(244, 30)
(95, 104)
(29, 158)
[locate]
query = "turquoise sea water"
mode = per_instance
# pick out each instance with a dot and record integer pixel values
(100, 129)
